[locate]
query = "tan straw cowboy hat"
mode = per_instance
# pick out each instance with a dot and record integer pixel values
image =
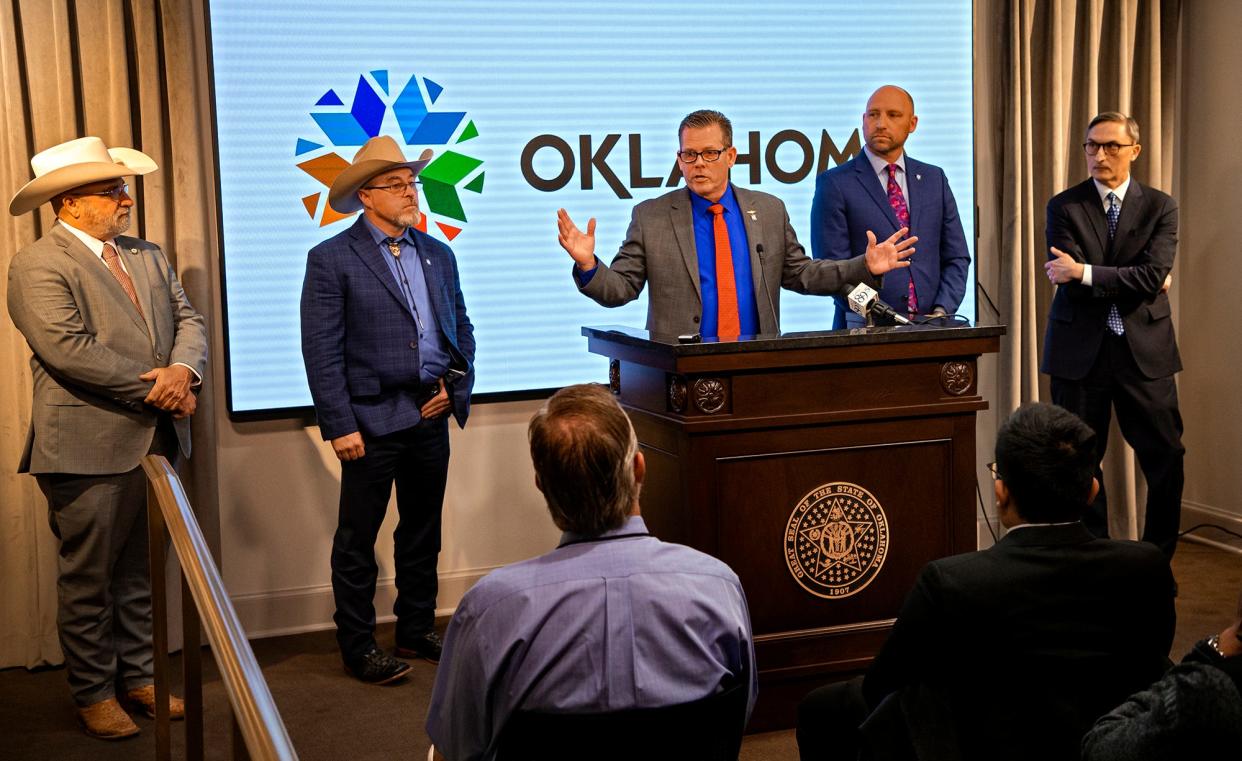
(74, 164)
(376, 156)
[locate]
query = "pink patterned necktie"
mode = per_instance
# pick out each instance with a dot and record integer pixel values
(898, 202)
(111, 258)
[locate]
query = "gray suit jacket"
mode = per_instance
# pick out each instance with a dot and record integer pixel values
(90, 345)
(659, 250)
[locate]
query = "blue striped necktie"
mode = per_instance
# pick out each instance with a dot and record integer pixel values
(1114, 212)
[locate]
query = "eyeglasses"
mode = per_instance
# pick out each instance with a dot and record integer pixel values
(710, 155)
(396, 188)
(114, 193)
(992, 469)
(1110, 149)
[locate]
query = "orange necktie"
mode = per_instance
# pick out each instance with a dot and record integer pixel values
(728, 325)
(111, 258)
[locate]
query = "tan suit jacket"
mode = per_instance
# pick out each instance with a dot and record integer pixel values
(90, 345)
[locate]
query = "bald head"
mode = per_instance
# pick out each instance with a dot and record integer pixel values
(888, 121)
(890, 91)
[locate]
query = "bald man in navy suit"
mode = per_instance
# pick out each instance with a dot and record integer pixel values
(882, 190)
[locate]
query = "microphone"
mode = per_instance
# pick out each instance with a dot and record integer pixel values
(763, 278)
(864, 300)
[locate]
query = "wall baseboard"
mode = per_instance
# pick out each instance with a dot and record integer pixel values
(308, 609)
(1194, 513)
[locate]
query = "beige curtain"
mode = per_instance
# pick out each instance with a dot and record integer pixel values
(1063, 61)
(132, 72)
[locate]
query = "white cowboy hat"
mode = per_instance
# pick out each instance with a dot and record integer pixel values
(376, 156)
(73, 164)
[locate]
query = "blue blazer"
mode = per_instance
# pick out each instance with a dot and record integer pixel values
(850, 200)
(359, 340)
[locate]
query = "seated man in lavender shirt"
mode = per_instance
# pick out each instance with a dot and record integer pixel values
(612, 619)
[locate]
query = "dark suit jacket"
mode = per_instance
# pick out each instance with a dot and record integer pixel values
(849, 201)
(659, 250)
(1128, 272)
(90, 345)
(1033, 638)
(360, 342)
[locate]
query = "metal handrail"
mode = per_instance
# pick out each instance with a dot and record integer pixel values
(257, 718)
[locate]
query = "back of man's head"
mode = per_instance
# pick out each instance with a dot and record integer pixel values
(1045, 455)
(583, 448)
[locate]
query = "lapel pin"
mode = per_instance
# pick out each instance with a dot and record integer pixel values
(133, 250)
(751, 212)
(428, 262)
(918, 176)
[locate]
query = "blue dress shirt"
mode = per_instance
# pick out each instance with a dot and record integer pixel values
(608, 623)
(433, 355)
(705, 245)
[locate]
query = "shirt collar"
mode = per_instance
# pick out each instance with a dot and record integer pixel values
(699, 204)
(633, 525)
(379, 236)
(94, 244)
(1034, 525)
(1104, 190)
(881, 166)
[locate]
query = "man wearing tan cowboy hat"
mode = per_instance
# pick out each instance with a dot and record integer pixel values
(389, 351)
(117, 349)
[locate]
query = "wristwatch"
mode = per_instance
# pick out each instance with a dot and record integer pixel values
(1214, 643)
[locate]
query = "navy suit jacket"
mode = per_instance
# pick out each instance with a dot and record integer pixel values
(1128, 271)
(359, 339)
(849, 201)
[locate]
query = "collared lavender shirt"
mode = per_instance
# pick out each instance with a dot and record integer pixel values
(620, 621)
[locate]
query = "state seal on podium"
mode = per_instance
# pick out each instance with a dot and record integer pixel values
(836, 540)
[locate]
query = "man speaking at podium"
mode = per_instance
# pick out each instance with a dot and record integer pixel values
(715, 255)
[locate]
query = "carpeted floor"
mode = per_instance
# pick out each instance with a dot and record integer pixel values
(330, 716)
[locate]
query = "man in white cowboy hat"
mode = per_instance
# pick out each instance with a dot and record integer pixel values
(389, 351)
(117, 351)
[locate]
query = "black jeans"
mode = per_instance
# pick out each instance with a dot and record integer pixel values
(416, 459)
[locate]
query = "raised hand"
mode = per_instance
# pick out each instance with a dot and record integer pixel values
(889, 255)
(580, 245)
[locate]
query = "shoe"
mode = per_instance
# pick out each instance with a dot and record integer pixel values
(106, 720)
(143, 699)
(377, 667)
(426, 646)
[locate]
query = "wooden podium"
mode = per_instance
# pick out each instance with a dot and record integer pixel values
(825, 468)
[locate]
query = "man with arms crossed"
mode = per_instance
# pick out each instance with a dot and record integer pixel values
(610, 620)
(1110, 341)
(715, 255)
(388, 350)
(882, 189)
(117, 350)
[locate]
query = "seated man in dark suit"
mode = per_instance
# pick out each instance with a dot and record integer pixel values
(612, 619)
(1022, 646)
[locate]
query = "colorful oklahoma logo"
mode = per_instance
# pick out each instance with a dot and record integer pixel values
(418, 128)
